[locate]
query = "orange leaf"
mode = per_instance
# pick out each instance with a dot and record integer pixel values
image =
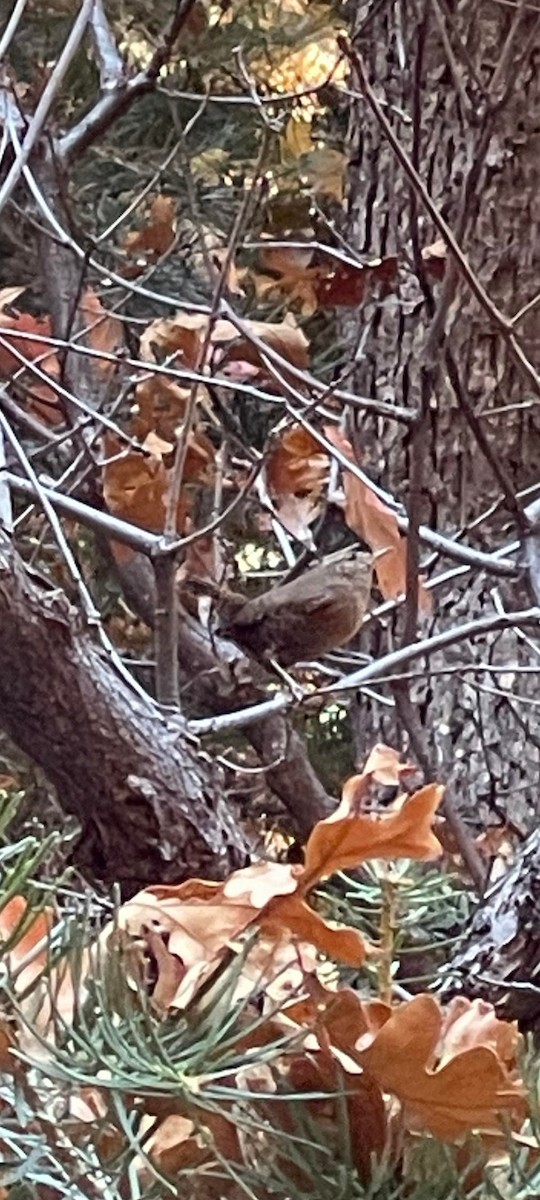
(336, 942)
(159, 232)
(105, 333)
(182, 334)
(376, 524)
(343, 841)
(470, 1091)
(13, 915)
(342, 1017)
(284, 337)
(297, 465)
(41, 398)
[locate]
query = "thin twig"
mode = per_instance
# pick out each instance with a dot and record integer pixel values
(166, 633)
(46, 100)
(121, 97)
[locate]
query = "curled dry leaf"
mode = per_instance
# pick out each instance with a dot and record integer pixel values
(469, 1090)
(158, 234)
(450, 1069)
(344, 840)
(296, 472)
(136, 485)
(296, 464)
(283, 337)
(104, 334)
(39, 396)
(468, 1023)
(198, 921)
(186, 334)
(312, 283)
(376, 524)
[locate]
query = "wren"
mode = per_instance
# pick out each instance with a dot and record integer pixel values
(303, 619)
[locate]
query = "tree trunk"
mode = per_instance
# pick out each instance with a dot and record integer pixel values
(149, 802)
(500, 955)
(460, 86)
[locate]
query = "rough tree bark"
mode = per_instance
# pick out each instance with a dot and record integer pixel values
(149, 802)
(460, 86)
(500, 955)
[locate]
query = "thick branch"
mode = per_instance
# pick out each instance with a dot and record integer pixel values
(148, 801)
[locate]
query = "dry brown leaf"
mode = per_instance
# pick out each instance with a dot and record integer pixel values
(12, 915)
(105, 333)
(376, 524)
(136, 485)
(471, 1090)
(161, 406)
(294, 273)
(335, 942)
(182, 334)
(284, 337)
(39, 397)
(466, 1023)
(297, 465)
(158, 234)
(135, 488)
(344, 840)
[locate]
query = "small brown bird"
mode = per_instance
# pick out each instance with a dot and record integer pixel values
(305, 618)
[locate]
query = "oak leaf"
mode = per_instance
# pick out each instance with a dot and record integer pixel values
(470, 1090)
(344, 840)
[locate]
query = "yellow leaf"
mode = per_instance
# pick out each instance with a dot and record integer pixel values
(296, 140)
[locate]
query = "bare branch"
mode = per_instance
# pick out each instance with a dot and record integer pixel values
(123, 94)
